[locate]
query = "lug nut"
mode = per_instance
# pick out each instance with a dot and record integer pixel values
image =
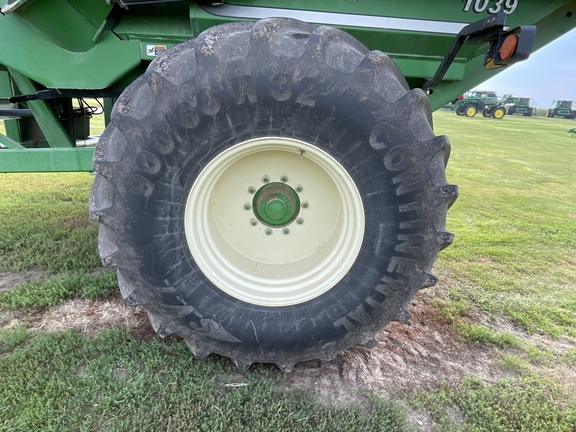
(251, 189)
(268, 231)
(299, 188)
(284, 178)
(247, 206)
(299, 221)
(253, 222)
(305, 204)
(265, 179)
(286, 231)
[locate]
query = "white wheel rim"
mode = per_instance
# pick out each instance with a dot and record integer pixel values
(278, 268)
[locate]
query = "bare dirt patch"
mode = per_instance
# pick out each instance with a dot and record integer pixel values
(9, 280)
(89, 317)
(542, 341)
(79, 222)
(421, 354)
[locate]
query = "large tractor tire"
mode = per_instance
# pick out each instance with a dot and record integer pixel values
(461, 110)
(271, 192)
(511, 110)
(529, 112)
(471, 111)
(499, 112)
(487, 112)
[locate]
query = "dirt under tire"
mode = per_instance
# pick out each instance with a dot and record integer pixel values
(329, 133)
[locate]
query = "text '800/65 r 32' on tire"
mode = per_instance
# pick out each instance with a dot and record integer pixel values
(271, 192)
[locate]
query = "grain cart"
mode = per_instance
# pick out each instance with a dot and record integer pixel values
(269, 186)
(561, 108)
(518, 105)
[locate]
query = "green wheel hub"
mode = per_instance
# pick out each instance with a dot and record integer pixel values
(276, 205)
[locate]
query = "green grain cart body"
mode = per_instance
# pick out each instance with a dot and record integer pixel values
(269, 186)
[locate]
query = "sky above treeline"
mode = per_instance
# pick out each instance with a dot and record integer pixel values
(549, 74)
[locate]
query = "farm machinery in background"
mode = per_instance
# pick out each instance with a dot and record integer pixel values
(518, 105)
(269, 186)
(562, 108)
(488, 103)
(476, 101)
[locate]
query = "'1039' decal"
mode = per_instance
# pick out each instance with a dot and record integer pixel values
(493, 6)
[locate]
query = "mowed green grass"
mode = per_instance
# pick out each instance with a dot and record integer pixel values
(514, 258)
(515, 220)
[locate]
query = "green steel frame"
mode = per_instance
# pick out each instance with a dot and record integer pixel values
(93, 45)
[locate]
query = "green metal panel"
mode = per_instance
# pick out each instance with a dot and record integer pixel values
(46, 160)
(13, 130)
(51, 43)
(168, 22)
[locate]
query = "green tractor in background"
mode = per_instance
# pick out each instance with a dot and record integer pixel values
(269, 186)
(476, 101)
(518, 105)
(562, 108)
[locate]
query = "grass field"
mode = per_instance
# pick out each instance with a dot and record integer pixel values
(508, 291)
